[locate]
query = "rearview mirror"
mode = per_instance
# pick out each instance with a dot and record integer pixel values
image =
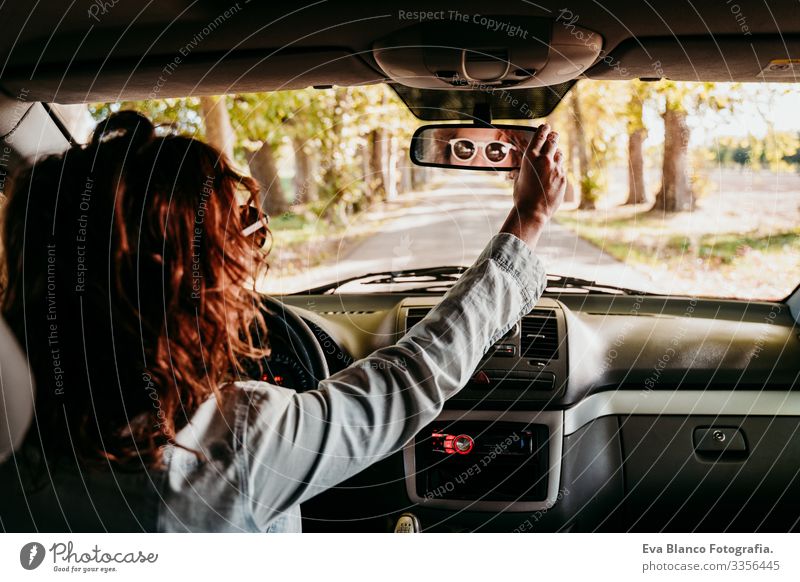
(470, 147)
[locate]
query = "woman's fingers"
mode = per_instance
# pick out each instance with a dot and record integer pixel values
(550, 145)
(538, 140)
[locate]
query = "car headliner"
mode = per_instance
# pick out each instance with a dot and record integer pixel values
(105, 51)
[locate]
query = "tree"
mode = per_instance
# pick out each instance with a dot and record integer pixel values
(345, 142)
(184, 115)
(675, 194)
(376, 168)
(637, 133)
(262, 122)
(305, 187)
(679, 100)
(219, 131)
(777, 145)
(392, 163)
(578, 143)
(264, 169)
(387, 125)
(377, 164)
(259, 155)
(591, 117)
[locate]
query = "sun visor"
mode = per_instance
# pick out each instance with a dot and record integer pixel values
(771, 58)
(201, 74)
(460, 52)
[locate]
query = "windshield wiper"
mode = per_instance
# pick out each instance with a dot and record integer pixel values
(444, 275)
(437, 279)
(566, 282)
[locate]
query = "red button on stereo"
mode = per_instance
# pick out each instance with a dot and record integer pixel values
(459, 444)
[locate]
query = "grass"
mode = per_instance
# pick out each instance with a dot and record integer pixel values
(696, 254)
(304, 240)
(730, 247)
(647, 240)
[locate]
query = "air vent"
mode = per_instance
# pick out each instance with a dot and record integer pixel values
(415, 315)
(539, 339)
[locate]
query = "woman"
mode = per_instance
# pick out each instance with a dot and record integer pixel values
(127, 276)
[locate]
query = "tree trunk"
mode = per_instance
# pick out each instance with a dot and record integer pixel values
(304, 184)
(579, 145)
(636, 184)
(675, 194)
(265, 171)
(391, 168)
(377, 164)
(331, 182)
(219, 131)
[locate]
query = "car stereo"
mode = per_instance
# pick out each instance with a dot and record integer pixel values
(468, 459)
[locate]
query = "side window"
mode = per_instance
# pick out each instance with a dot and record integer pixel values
(77, 119)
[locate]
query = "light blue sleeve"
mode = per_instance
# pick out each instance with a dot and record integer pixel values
(300, 444)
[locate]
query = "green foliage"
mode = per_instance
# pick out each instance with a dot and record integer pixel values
(592, 184)
(639, 94)
(694, 98)
(181, 115)
(331, 126)
(778, 151)
(336, 128)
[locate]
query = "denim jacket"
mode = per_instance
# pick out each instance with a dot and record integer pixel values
(267, 449)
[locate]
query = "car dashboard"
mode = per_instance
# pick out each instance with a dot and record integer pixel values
(594, 413)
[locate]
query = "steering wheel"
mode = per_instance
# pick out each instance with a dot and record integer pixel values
(292, 339)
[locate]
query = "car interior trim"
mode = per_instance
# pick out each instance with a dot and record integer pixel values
(685, 402)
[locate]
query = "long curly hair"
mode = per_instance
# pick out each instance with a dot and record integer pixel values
(128, 281)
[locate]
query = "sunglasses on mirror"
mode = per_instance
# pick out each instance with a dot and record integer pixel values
(494, 151)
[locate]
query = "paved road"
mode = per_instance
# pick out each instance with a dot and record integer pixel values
(449, 225)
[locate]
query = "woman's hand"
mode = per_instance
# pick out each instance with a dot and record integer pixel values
(539, 188)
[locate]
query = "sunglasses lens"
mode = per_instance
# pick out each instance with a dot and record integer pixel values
(463, 149)
(496, 151)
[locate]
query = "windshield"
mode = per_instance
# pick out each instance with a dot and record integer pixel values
(674, 188)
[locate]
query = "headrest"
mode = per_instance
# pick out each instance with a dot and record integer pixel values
(16, 393)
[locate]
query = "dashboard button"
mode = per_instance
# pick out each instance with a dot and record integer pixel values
(719, 440)
(463, 444)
